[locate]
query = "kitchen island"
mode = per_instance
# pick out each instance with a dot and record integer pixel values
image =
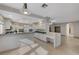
(54, 38)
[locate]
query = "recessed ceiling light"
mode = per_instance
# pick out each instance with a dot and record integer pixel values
(44, 5)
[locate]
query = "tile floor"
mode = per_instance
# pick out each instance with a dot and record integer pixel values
(69, 46)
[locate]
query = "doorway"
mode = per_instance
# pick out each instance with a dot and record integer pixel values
(57, 29)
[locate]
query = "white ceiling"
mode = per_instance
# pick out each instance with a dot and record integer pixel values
(60, 12)
(19, 18)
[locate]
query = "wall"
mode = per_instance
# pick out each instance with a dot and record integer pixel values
(7, 23)
(15, 25)
(74, 26)
(44, 24)
(75, 29)
(63, 29)
(2, 25)
(39, 25)
(1, 28)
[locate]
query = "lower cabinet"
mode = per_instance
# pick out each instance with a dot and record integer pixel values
(40, 36)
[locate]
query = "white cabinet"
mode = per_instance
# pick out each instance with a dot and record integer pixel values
(54, 38)
(2, 31)
(40, 36)
(8, 43)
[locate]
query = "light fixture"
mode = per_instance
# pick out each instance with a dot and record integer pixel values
(40, 22)
(44, 5)
(25, 12)
(25, 9)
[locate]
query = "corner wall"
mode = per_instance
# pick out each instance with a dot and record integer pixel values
(63, 28)
(75, 27)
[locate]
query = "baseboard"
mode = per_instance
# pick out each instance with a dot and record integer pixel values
(2, 34)
(73, 36)
(63, 35)
(76, 37)
(40, 39)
